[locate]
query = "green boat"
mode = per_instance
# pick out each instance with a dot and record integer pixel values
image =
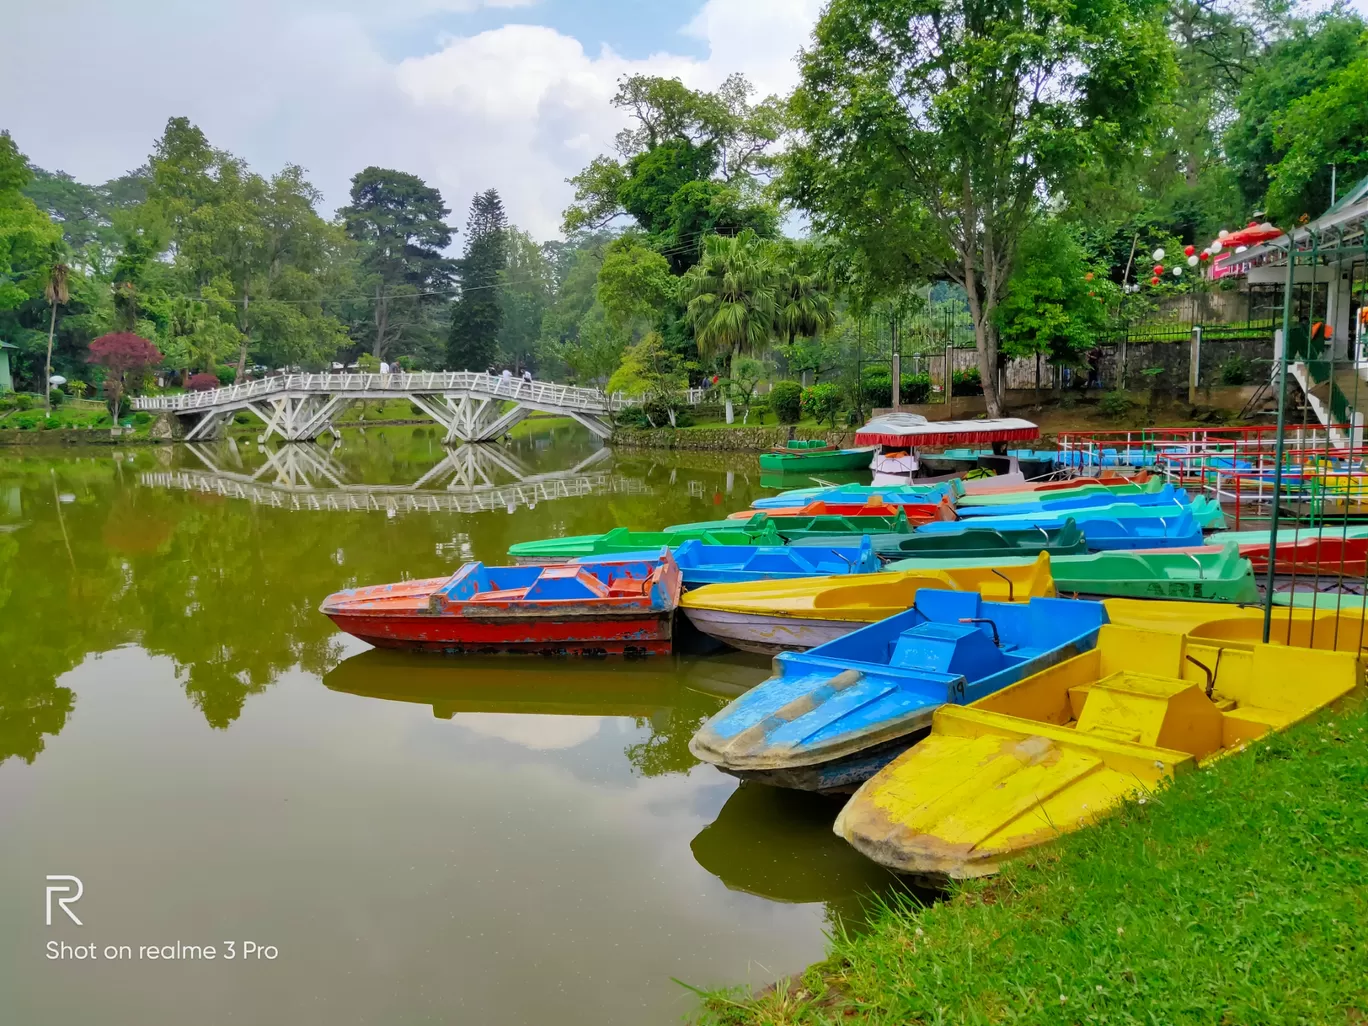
(1197, 576)
(797, 462)
(981, 543)
(1321, 601)
(618, 540)
(792, 529)
(1120, 490)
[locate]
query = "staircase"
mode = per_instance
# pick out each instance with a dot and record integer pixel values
(1337, 392)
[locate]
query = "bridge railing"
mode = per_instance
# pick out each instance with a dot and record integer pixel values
(570, 397)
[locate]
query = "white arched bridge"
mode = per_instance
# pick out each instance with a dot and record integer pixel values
(471, 407)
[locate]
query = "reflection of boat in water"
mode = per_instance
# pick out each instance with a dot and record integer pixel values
(550, 688)
(778, 844)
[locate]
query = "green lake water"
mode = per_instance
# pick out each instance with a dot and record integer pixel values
(420, 839)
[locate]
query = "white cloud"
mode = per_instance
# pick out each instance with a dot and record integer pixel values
(519, 108)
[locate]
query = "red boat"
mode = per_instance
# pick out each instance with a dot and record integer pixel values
(917, 512)
(615, 607)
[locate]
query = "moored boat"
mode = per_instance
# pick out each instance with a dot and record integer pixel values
(871, 506)
(1206, 512)
(817, 461)
(775, 616)
(1220, 576)
(899, 494)
(832, 716)
(790, 528)
(589, 609)
(620, 541)
(980, 543)
(1059, 749)
(726, 564)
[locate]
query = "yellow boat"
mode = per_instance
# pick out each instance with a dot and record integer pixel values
(1056, 751)
(776, 616)
(1323, 628)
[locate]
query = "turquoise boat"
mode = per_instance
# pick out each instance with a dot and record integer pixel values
(792, 528)
(734, 564)
(977, 543)
(1206, 512)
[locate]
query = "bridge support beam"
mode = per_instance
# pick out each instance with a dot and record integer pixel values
(297, 419)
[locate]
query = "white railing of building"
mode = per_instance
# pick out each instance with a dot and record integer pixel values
(542, 393)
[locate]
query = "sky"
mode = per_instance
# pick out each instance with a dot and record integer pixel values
(467, 94)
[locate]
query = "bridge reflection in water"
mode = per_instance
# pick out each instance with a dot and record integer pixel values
(468, 479)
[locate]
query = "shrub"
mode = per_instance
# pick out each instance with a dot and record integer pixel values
(966, 382)
(23, 401)
(823, 403)
(877, 388)
(141, 417)
(1235, 370)
(56, 397)
(202, 382)
(28, 420)
(1115, 404)
(407, 364)
(786, 400)
(243, 417)
(367, 364)
(916, 388)
(51, 423)
(226, 375)
(76, 389)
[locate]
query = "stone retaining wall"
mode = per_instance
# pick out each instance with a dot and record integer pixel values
(744, 439)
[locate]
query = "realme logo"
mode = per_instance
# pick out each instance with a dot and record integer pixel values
(61, 888)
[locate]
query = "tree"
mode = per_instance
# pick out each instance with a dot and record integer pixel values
(1055, 302)
(477, 316)
(732, 295)
(1323, 130)
(126, 358)
(804, 306)
(689, 166)
(57, 294)
(973, 112)
(648, 373)
(1305, 61)
(397, 220)
(634, 282)
(526, 289)
(27, 238)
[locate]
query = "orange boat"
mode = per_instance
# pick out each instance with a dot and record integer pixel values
(614, 607)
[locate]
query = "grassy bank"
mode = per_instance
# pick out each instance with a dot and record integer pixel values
(1238, 896)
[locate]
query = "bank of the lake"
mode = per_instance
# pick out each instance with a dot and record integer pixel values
(1239, 895)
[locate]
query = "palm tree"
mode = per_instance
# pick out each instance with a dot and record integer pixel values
(805, 306)
(731, 297)
(57, 295)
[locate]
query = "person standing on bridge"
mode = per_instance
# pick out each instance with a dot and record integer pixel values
(527, 379)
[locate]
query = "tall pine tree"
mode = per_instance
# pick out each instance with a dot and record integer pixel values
(477, 315)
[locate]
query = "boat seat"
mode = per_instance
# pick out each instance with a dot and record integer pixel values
(955, 648)
(629, 586)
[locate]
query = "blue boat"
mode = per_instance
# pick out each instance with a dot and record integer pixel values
(855, 494)
(1168, 495)
(703, 564)
(1206, 512)
(1179, 532)
(833, 716)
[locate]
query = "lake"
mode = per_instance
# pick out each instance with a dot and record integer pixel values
(403, 838)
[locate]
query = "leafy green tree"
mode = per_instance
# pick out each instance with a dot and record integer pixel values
(477, 317)
(971, 111)
(804, 309)
(688, 167)
(28, 239)
(1056, 301)
(732, 295)
(398, 222)
(527, 288)
(648, 373)
(634, 283)
(1325, 129)
(1313, 53)
(87, 213)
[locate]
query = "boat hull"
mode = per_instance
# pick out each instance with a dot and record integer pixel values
(839, 776)
(588, 636)
(800, 463)
(768, 635)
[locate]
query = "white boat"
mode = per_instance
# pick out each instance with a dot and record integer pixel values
(768, 635)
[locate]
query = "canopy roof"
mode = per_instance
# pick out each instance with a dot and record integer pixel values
(912, 431)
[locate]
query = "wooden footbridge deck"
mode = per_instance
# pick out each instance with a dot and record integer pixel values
(471, 407)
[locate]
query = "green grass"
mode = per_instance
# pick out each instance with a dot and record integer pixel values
(1236, 897)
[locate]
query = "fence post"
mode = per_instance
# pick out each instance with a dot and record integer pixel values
(1194, 363)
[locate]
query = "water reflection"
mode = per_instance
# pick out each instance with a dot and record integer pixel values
(669, 697)
(778, 844)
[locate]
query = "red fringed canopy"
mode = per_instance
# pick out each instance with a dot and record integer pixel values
(907, 430)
